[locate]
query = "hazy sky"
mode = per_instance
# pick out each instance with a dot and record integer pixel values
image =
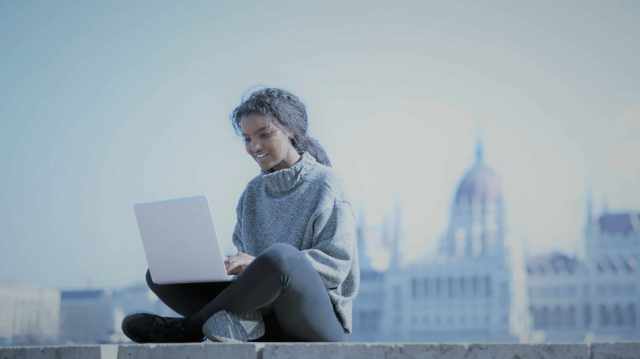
(105, 104)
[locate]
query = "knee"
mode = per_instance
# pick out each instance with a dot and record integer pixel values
(278, 256)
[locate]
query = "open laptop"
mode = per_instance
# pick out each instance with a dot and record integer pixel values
(180, 242)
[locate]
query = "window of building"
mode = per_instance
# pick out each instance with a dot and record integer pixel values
(604, 315)
(618, 319)
(414, 288)
(487, 286)
(587, 315)
(459, 243)
(425, 287)
(543, 316)
(571, 320)
(533, 314)
(504, 292)
(556, 318)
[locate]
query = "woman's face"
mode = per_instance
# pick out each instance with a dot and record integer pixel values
(268, 144)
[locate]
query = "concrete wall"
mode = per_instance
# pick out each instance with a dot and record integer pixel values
(329, 350)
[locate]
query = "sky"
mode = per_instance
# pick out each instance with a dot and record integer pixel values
(107, 104)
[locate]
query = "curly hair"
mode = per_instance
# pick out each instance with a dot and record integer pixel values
(288, 111)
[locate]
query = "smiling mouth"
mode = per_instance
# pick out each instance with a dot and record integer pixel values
(261, 157)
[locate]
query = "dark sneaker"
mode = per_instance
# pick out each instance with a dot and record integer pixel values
(229, 327)
(151, 328)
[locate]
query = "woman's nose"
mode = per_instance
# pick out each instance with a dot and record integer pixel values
(254, 147)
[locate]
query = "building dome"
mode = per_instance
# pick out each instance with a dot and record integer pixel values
(480, 183)
(476, 225)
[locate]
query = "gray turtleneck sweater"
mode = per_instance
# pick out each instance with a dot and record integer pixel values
(305, 206)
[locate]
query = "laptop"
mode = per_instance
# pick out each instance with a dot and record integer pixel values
(180, 242)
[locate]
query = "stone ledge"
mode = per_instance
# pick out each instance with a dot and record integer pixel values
(328, 350)
(615, 351)
(431, 351)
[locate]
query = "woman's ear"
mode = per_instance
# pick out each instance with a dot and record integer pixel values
(289, 135)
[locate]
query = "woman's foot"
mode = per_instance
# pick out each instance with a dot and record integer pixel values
(150, 328)
(229, 327)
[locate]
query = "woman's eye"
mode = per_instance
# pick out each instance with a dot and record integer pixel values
(263, 135)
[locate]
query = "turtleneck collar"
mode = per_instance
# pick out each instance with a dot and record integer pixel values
(284, 180)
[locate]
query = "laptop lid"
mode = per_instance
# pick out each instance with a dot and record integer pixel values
(180, 242)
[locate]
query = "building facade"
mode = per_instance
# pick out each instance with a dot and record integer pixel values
(369, 305)
(87, 316)
(593, 297)
(29, 315)
(95, 315)
(464, 293)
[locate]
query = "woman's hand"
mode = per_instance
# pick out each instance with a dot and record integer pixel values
(236, 264)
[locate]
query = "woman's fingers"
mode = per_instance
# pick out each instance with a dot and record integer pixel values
(235, 268)
(237, 263)
(233, 265)
(229, 262)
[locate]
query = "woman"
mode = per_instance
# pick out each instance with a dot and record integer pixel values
(297, 261)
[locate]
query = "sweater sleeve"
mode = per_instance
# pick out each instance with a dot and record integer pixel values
(237, 231)
(332, 251)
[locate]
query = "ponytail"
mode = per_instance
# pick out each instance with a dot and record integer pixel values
(311, 145)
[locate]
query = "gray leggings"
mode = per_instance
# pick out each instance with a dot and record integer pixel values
(280, 282)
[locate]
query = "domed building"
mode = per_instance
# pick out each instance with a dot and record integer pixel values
(476, 226)
(464, 293)
(467, 292)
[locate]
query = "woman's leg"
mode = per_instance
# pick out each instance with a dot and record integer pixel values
(281, 277)
(186, 298)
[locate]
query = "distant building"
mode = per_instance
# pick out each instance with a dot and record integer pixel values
(87, 316)
(558, 289)
(462, 294)
(369, 304)
(595, 297)
(95, 315)
(136, 298)
(28, 315)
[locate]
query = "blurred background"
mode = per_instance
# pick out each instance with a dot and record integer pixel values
(490, 149)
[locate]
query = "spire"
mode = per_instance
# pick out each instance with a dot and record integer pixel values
(397, 223)
(395, 232)
(479, 143)
(589, 207)
(588, 225)
(479, 150)
(362, 235)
